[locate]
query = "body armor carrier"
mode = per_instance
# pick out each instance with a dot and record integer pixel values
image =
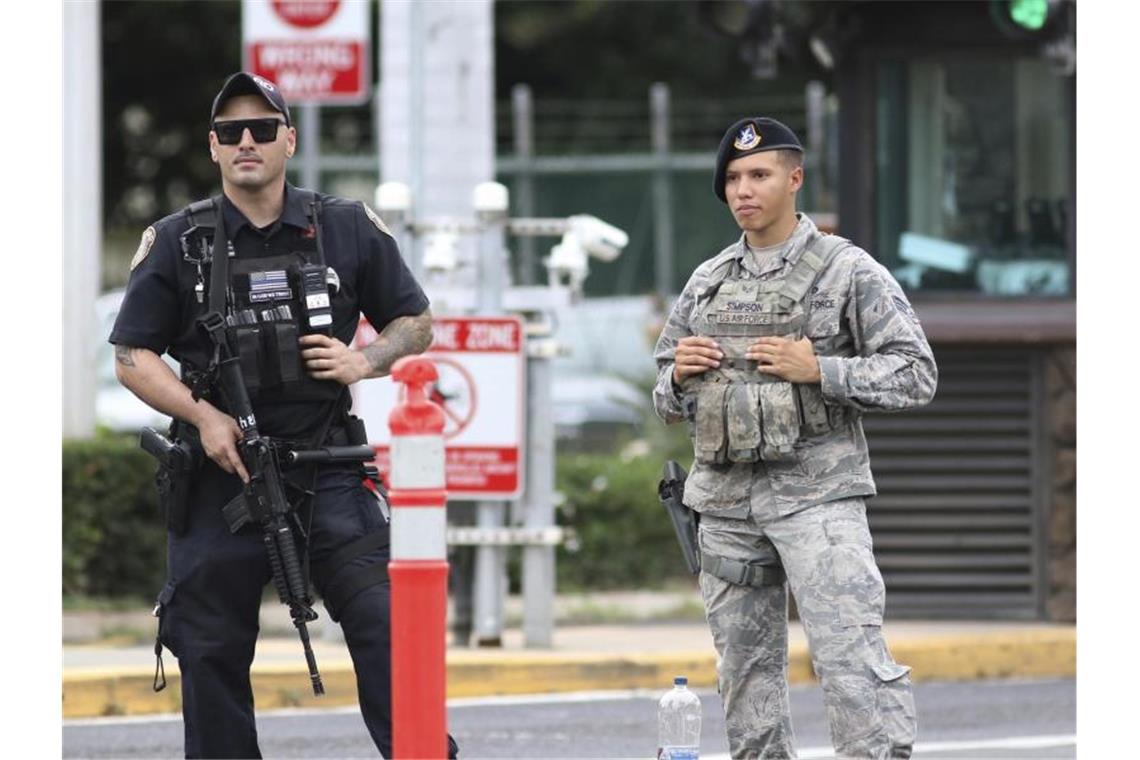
(266, 302)
(740, 414)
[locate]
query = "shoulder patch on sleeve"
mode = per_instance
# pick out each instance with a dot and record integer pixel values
(905, 308)
(144, 247)
(376, 220)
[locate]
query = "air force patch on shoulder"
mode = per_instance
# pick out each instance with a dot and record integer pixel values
(144, 247)
(376, 220)
(748, 138)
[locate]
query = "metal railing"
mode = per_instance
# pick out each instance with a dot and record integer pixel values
(657, 137)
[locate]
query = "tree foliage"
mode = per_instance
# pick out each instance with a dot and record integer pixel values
(162, 66)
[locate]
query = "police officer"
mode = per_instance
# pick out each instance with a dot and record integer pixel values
(292, 330)
(776, 347)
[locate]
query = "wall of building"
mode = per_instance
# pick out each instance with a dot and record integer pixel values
(1061, 400)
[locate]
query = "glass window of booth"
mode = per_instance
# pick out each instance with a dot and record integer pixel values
(974, 162)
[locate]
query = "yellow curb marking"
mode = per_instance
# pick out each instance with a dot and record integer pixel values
(1046, 653)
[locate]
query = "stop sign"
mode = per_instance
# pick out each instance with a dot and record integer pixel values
(305, 14)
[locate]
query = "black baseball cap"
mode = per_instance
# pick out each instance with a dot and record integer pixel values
(747, 136)
(244, 83)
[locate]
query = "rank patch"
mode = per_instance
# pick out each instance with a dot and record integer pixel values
(905, 308)
(144, 247)
(748, 138)
(376, 220)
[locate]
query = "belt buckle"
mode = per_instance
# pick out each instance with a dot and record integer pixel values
(742, 574)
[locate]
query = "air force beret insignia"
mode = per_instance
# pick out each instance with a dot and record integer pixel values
(376, 220)
(748, 138)
(144, 247)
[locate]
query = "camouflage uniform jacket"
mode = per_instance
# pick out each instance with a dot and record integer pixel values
(873, 356)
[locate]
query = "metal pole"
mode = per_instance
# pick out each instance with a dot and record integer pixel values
(490, 561)
(490, 579)
(538, 561)
(523, 110)
(814, 97)
(492, 263)
(416, 81)
(310, 138)
(377, 128)
(83, 213)
(662, 188)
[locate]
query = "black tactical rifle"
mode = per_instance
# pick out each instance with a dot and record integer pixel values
(263, 500)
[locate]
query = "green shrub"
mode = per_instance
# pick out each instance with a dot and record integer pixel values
(114, 542)
(622, 536)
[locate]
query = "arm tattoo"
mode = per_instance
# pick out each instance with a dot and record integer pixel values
(123, 355)
(400, 337)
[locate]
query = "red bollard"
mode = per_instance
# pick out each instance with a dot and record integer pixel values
(418, 567)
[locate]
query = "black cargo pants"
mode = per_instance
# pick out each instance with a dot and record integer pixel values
(213, 593)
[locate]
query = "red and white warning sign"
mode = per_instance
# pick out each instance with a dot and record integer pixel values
(317, 51)
(481, 388)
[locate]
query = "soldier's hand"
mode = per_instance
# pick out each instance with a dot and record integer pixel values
(793, 360)
(328, 359)
(695, 355)
(220, 434)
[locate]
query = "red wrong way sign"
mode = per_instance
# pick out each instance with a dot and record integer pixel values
(317, 51)
(481, 389)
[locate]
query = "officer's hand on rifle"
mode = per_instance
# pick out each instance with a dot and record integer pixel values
(328, 359)
(220, 433)
(793, 360)
(695, 355)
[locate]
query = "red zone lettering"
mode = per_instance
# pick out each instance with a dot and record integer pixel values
(489, 336)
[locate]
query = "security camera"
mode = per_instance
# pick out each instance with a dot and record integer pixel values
(602, 241)
(568, 260)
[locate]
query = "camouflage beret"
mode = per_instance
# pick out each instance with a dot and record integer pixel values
(747, 136)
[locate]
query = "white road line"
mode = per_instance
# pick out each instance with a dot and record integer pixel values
(511, 700)
(922, 748)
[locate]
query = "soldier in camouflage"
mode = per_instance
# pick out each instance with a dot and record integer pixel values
(773, 351)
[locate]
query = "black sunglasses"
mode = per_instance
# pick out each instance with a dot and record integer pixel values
(262, 130)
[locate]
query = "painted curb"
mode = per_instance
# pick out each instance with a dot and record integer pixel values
(1025, 654)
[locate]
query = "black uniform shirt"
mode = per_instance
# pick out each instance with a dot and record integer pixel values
(159, 307)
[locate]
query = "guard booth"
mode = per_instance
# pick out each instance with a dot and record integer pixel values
(957, 170)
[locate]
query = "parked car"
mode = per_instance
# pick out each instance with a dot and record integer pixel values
(116, 408)
(596, 389)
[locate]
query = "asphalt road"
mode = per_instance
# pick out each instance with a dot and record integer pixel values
(979, 719)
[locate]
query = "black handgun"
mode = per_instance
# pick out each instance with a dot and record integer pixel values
(177, 463)
(670, 491)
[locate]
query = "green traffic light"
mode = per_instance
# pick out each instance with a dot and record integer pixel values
(1030, 14)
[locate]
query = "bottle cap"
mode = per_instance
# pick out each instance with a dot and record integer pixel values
(680, 681)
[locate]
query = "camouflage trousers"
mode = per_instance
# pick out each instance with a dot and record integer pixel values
(826, 553)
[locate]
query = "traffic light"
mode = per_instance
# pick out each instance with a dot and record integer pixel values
(1026, 19)
(1051, 24)
(1030, 14)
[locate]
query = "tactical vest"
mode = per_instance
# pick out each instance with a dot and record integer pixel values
(740, 414)
(268, 302)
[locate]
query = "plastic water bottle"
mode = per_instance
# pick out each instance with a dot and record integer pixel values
(679, 723)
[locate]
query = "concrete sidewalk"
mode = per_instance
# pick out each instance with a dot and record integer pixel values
(101, 678)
